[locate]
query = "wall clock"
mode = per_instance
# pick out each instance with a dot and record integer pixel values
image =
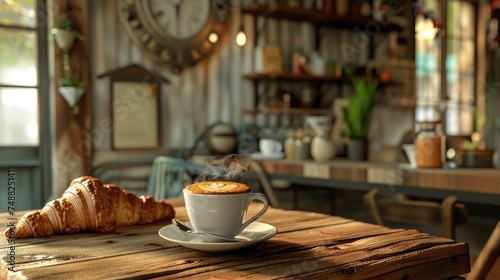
(176, 33)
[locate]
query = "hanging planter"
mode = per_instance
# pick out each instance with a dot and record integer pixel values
(64, 38)
(72, 91)
(71, 94)
(65, 35)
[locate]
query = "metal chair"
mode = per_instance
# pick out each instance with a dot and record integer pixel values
(487, 256)
(169, 176)
(447, 214)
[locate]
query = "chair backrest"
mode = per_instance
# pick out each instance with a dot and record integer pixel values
(265, 184)
(169, 176)
(447, 214)
(487, 256)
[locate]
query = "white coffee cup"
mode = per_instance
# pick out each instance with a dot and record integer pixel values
(221, 214)
(270, 146)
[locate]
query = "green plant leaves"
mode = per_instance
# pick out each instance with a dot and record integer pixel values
(357, 113)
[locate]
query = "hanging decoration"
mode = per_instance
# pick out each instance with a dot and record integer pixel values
(65, 34)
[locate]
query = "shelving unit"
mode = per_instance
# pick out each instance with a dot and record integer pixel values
(289, 111)
(318, 19)
(293, 77)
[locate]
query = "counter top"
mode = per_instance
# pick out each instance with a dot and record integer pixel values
(480, 185)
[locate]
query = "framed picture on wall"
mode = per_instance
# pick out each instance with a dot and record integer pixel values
(134, 109)
(135, 115)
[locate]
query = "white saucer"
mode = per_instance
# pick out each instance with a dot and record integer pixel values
(267, 156)
(256, 232)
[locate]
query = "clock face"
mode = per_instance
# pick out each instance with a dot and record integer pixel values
(176, 33)
(180, 19)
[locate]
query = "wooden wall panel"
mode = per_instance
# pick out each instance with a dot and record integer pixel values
(211, 90)
(73, 147)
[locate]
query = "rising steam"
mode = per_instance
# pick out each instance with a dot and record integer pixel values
(226, 169)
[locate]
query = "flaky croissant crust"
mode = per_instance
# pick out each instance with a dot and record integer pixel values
(90, 205)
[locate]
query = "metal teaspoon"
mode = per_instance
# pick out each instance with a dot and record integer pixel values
(187, 229)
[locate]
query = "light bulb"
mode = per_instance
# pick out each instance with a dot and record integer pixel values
(213, 37)
(241, 38)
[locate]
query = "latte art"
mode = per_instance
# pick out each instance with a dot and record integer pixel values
(218, 187)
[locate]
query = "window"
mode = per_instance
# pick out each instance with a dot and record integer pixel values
(18, 73)
(457, 104)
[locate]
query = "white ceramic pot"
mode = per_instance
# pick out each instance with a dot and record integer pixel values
(71, 94)
(64, 38)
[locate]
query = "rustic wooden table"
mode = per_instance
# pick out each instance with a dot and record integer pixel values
(308, 245)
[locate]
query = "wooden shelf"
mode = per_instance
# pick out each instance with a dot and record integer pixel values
(292, 77)
(289, 111)
(320, 18)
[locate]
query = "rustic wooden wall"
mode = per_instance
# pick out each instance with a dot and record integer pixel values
(213, 89)
(73, 150)
(201, 95)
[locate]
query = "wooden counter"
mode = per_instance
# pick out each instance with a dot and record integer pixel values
(478, 185)
(307, 246)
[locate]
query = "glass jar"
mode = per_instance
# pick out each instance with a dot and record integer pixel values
(302, 145)
(429, 145)
(290, 145)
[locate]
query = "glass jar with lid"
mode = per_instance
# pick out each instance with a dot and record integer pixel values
(429, 145)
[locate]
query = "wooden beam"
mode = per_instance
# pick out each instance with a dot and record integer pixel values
(72, 131)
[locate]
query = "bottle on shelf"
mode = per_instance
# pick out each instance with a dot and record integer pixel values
(290, 145)
(365, 8)
(299, 59)
(341, 7)
(302, 145)
(328, 6)
(307, 97)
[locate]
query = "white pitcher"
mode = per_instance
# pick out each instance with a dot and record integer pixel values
(322, 147)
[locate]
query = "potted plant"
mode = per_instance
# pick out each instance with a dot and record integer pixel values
(65, 33)
(472, 153)
(71, 90)
(469, 155)
(357, 116)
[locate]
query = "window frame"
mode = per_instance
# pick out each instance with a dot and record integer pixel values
(37, 158)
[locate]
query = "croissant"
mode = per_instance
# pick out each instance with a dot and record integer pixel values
(90, 205)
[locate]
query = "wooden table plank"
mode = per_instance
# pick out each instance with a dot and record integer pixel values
(308, 245)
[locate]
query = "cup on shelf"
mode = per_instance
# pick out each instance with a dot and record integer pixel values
(270, 146)
(410, 153)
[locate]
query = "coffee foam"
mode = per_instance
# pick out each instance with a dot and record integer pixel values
(218, 187)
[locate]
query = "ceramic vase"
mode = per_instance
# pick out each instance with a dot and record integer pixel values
(322, 146)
